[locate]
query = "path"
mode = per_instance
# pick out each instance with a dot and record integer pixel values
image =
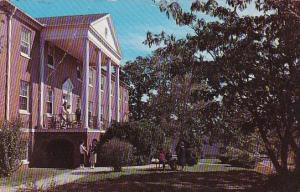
(65, 178)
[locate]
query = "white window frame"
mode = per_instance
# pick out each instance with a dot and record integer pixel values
(23, 42)
(22, 111)
(68, 90)
(50, 101)
(51, 52)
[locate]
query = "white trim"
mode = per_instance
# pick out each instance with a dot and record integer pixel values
(50, 66)
(24, 112)
(25, 55)
(49, 115)
(25, 162)
(108, 18)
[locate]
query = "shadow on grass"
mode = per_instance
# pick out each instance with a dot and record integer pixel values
(175, 181)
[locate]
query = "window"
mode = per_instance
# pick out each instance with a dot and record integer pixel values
(91, 76)
(90, 109)
(78, 73)
(102, 83)
(50, 101)
(24, 96)
(25, 41)
(67, 94)
(50, 56)
(102, 107)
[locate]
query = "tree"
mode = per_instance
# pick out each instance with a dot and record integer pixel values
(140, 78)
(251, 62)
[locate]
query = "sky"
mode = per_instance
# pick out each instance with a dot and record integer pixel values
(132, 19)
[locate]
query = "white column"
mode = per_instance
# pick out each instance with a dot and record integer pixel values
(85, 86)
(8, 66)
(98, 87)
(108, 90)
(42, 81)
(117, 93)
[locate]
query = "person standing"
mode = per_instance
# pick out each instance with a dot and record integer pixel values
(64, 114)
(78, 114)
(83, 152)
(93, 153)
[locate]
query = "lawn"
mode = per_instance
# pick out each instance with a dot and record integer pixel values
(202, 177)
(197, 178)
(29, 175)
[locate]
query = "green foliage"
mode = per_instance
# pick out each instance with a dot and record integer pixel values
(10, 147)
(140, 77)
(145, 136)
(248, 67)
(116, 153)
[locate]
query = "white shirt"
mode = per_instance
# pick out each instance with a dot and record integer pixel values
(82, 149)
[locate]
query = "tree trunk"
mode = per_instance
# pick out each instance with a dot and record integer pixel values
(296, 149)
(271, 152)
(284, 154)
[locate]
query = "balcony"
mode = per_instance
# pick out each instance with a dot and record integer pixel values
(70, 122)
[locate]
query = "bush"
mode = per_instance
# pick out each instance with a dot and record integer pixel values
(145, 136)
(238, 158)
(10, 147)
(116, 153)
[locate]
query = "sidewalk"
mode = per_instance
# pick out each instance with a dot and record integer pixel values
(65, 178)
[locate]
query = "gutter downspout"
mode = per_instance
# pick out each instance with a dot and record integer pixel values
(8, 64)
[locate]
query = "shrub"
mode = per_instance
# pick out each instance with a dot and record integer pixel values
(116, 153)
(145, 136)
(238, 158)
(10, 147)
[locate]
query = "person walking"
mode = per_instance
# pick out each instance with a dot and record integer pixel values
(181, 153)
(93, 153)
(83, 152)
(162, 158)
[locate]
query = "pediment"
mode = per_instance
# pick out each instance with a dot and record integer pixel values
(104, 27)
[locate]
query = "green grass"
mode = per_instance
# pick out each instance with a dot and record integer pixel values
(216, 176)
(29, 175)
(197, 178)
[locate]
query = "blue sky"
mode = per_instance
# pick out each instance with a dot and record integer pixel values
(132, 19)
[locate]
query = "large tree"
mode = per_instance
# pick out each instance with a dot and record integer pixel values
(250, 62)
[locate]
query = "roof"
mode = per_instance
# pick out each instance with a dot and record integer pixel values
(71, 20)
(7, 6)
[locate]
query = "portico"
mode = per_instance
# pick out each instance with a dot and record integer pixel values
(92, 41)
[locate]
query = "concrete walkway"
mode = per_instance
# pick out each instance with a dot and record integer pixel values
(65, 178)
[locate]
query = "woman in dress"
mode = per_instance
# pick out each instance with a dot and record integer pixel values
(93, 153)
